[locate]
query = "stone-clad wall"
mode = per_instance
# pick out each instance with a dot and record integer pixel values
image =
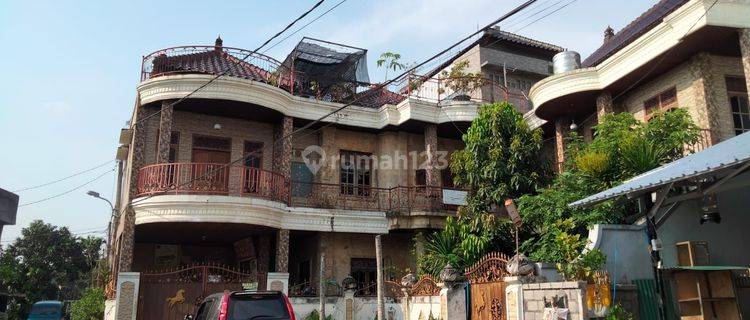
(534, 295)
(707, 102)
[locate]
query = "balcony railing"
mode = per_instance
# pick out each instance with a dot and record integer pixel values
(211, 178)
(438, 90)
(221, 179)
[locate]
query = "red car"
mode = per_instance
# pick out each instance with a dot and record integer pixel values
(245, 305)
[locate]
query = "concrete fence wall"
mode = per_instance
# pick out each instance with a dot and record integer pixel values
(349, 307)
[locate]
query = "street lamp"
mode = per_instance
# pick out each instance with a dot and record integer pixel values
(109, 226)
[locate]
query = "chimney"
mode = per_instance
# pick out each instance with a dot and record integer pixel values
(609, 33)
(218, 43)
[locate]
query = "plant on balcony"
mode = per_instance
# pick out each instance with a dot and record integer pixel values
(390, 61)
(622, 148)
(460, 82)
(499, 162)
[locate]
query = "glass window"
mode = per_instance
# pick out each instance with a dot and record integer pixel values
(664, 101)
(737, 92)
(253, 154)
(355, 173)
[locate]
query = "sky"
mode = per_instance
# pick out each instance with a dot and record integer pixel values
(70, 70)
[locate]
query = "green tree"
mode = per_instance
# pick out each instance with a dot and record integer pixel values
(391, 62)
(622, 148)
(90, 306)
(499, 162)
(45, 263)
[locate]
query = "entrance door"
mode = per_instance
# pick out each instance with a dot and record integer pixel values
(210, 170)
(302, 179)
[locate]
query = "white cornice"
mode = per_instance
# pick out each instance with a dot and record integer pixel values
(687, 19)
(227, 209)
(242, 90)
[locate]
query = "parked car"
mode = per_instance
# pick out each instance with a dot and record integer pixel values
(47, 310)
(245, 305)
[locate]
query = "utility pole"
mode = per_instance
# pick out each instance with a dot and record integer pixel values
(322, 286)
(381, 283)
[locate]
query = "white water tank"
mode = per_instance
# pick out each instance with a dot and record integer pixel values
(566, 61)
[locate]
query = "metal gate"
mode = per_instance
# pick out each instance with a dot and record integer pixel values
(487, 289)
(172, 294)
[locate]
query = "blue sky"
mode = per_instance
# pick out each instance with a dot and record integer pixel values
(70, 68)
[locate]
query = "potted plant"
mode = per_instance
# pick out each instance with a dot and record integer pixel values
(460, 82)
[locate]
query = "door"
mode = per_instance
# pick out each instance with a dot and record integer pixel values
(210, 169)
(302, 179)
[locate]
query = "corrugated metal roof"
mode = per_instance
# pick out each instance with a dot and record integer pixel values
(726, 154)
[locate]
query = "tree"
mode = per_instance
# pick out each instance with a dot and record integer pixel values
(622, 148)
(391, 62)
(499, 162)
(46, 263)
(90, 306)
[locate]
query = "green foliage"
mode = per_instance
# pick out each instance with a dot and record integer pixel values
(42, 261)
(617, 312)
(90, 306)
(391, 62)
(582, 267)
(499, 162)
(315, 315)
(622, 148)
(460, 81)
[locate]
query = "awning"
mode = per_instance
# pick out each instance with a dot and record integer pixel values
(730, 153)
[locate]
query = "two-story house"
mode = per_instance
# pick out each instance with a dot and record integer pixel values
(691, 54)
(231, 182)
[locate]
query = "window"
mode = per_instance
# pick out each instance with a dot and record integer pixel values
(420, 177)
(447, 177)
(355, 173)
(663, 101)
(364, 271)
(253, 154)
(737, 92)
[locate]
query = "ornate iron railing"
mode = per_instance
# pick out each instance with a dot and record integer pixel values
(439, 90)
(222, 179)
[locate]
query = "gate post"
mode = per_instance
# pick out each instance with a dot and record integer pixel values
(453, 301)
(513, 298)
(127, 295)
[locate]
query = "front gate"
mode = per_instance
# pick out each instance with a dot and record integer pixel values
(172, 294)
(487, 289)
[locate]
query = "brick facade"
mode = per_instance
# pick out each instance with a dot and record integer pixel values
(282, 250)
(562, 128)
(745, 49)
(432, 172)
(165, 131)
(604, 106)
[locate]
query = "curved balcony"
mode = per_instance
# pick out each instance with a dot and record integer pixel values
(222, 179)
(212, 179)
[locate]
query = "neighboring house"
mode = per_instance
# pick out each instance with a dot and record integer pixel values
(203, 183)
(8, 209)
(701, 199)
(509, 63)
(679, 54)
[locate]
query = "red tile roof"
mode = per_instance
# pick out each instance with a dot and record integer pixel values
(209, 62)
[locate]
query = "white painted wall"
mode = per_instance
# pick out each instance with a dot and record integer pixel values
(626, 248)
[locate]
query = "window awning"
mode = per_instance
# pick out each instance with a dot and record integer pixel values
(730, 153)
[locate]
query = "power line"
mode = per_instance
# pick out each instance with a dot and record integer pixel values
(664, 55)
(372, 91)
(546, 15)
(67, 191)
(305, 26)
(65, 178)
(203, 86)
(236, 63)
(532, 14)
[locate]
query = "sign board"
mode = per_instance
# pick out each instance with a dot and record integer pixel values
(454, 197)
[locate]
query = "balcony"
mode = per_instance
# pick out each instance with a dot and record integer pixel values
(439, 90)
(221, 179)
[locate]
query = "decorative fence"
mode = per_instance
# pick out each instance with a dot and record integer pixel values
(222, 179)
(440, 89)
(487, 288)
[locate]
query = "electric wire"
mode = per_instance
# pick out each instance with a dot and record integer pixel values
(67, 191)
(65, 178)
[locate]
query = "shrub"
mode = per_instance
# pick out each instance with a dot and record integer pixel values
(90, 306)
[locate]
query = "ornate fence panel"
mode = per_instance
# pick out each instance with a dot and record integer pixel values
(170, 295)
(426, 286)
(487, 287)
